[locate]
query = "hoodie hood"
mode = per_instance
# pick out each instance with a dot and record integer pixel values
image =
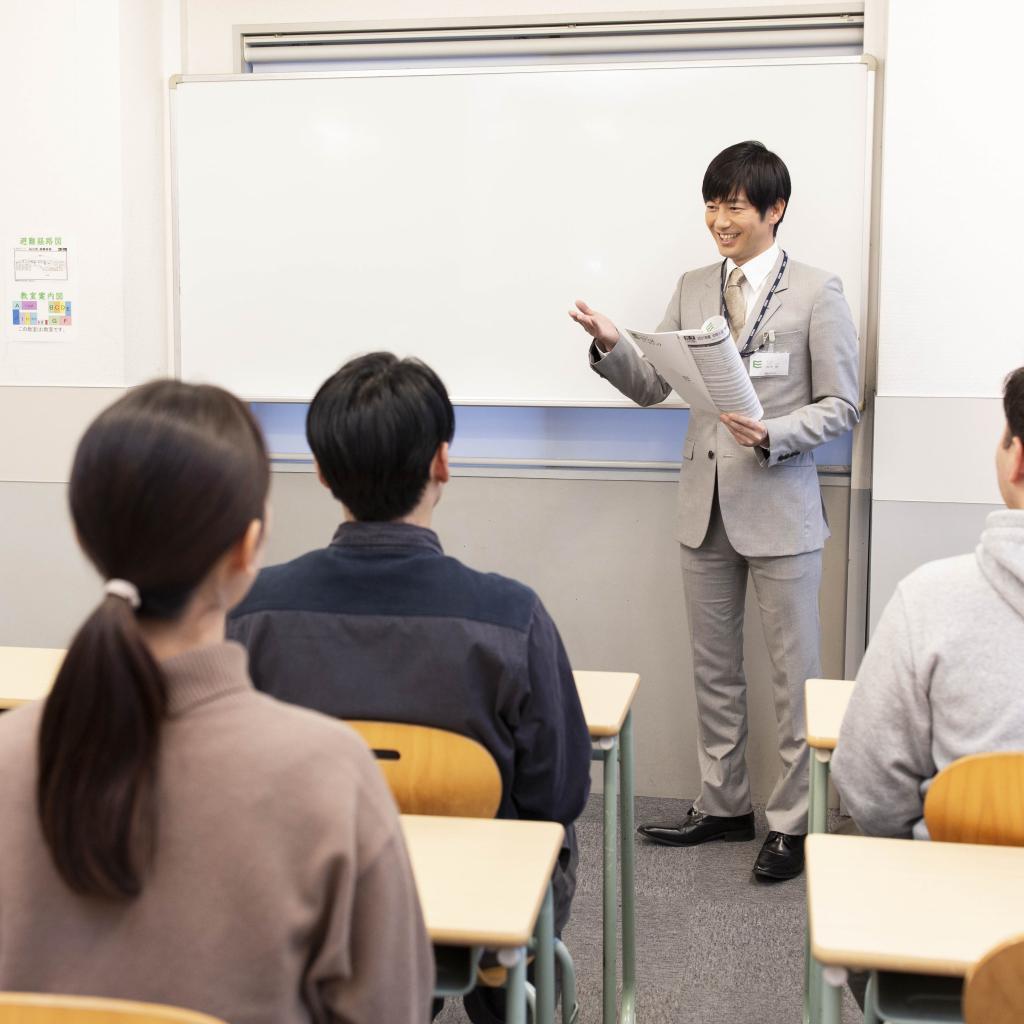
(1001, 555)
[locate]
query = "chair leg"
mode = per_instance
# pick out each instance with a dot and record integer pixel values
(570, 1005)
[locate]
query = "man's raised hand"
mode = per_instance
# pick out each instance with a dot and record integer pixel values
(597, 325)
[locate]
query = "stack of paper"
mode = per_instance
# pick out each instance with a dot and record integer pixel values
(703, 366)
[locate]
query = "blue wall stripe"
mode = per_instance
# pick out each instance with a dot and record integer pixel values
(530, 432)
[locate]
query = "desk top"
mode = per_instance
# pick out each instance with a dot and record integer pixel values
(911, 905)
(606, 698)
(27, 673)
(481, 881)
(826, 701)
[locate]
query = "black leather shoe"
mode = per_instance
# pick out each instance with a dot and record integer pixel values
(781, 857)
(698, 828)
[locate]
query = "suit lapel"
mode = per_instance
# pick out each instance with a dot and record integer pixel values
(711, 294)
(777, 299)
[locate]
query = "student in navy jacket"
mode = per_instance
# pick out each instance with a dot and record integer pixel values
(381, 624)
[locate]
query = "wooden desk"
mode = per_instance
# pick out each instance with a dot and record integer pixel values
(481, 883)
(825, 707)
(906, 905)
(27, 673)
(607, 699)
(481, 880)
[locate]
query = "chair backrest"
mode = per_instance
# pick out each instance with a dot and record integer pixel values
(994, 991)
(978, 799)
(433, 771)
(31, 1008)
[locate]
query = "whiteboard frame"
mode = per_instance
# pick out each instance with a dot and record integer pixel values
(867, 285)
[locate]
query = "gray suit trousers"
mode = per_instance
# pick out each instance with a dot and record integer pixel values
(786, 587)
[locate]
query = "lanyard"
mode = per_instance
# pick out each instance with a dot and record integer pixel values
(746, 350)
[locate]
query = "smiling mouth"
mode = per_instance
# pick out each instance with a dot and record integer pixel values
(726, 239)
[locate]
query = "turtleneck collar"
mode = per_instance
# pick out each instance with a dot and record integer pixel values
(205, 674)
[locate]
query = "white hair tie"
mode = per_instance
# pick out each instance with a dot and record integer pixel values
(123, 589)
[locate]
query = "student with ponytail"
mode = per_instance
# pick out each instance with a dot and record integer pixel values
(168, 834)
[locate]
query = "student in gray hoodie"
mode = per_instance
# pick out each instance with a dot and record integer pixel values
(942, 677)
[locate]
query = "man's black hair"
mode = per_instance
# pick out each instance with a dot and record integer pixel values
(374, 428)
(750, 168)
(1013, 404)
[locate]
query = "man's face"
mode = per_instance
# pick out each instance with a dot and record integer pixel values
(1009, 467)
(738, 229)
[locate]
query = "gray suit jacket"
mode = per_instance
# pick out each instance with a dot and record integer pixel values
(771, 502)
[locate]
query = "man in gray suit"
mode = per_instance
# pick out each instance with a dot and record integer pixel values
(749, 500)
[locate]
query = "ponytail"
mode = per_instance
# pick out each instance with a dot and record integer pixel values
(97, 756)
(164, 483)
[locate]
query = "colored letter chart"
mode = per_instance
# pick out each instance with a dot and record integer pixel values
(41, 313)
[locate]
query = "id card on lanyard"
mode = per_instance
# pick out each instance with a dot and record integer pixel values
(745, 349)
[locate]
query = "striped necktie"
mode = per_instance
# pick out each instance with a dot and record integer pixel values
(735, 304)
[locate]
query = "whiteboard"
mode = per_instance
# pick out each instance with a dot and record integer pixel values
(455, 214)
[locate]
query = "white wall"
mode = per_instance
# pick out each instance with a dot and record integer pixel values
(946, 338)
(84, 84)
(81, 81)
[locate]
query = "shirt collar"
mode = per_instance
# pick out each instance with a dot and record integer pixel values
(385, 535)
(757, 269)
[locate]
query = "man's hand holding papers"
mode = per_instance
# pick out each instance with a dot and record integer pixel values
(705, 369)
(744, 430)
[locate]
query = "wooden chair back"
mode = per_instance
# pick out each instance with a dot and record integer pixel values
(32, 1008)
(434, 771)
(994, 991)
(978, 799)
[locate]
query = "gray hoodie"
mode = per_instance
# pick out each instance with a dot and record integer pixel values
(943, 677)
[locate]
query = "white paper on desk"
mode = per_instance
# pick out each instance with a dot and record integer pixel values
(703, 366)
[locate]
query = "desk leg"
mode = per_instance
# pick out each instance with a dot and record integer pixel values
(515, 987)
(818, 795)
(627, 1014)
(834, 978)
(544, 966)
(611, 813)
(817, 821)
(570, 1006)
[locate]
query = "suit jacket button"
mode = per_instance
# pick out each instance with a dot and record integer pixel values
(711, 455)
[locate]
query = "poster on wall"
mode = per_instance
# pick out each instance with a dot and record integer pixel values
(42, 307)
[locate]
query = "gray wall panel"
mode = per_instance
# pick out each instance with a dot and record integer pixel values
(600, 553)
(906, 534)
(46, 585)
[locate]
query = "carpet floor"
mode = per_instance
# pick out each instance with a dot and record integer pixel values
(714, 946)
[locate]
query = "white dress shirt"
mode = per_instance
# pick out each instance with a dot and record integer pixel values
(755, 281)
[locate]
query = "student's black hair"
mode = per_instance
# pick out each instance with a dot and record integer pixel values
(1013, 404)
(374, 428)
(164, 482)
(751, 168)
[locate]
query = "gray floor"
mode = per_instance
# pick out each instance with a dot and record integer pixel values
(713, 945)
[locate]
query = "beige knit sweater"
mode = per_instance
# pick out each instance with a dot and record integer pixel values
(281, 891)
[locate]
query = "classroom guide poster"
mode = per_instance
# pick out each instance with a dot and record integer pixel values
(40, 285)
